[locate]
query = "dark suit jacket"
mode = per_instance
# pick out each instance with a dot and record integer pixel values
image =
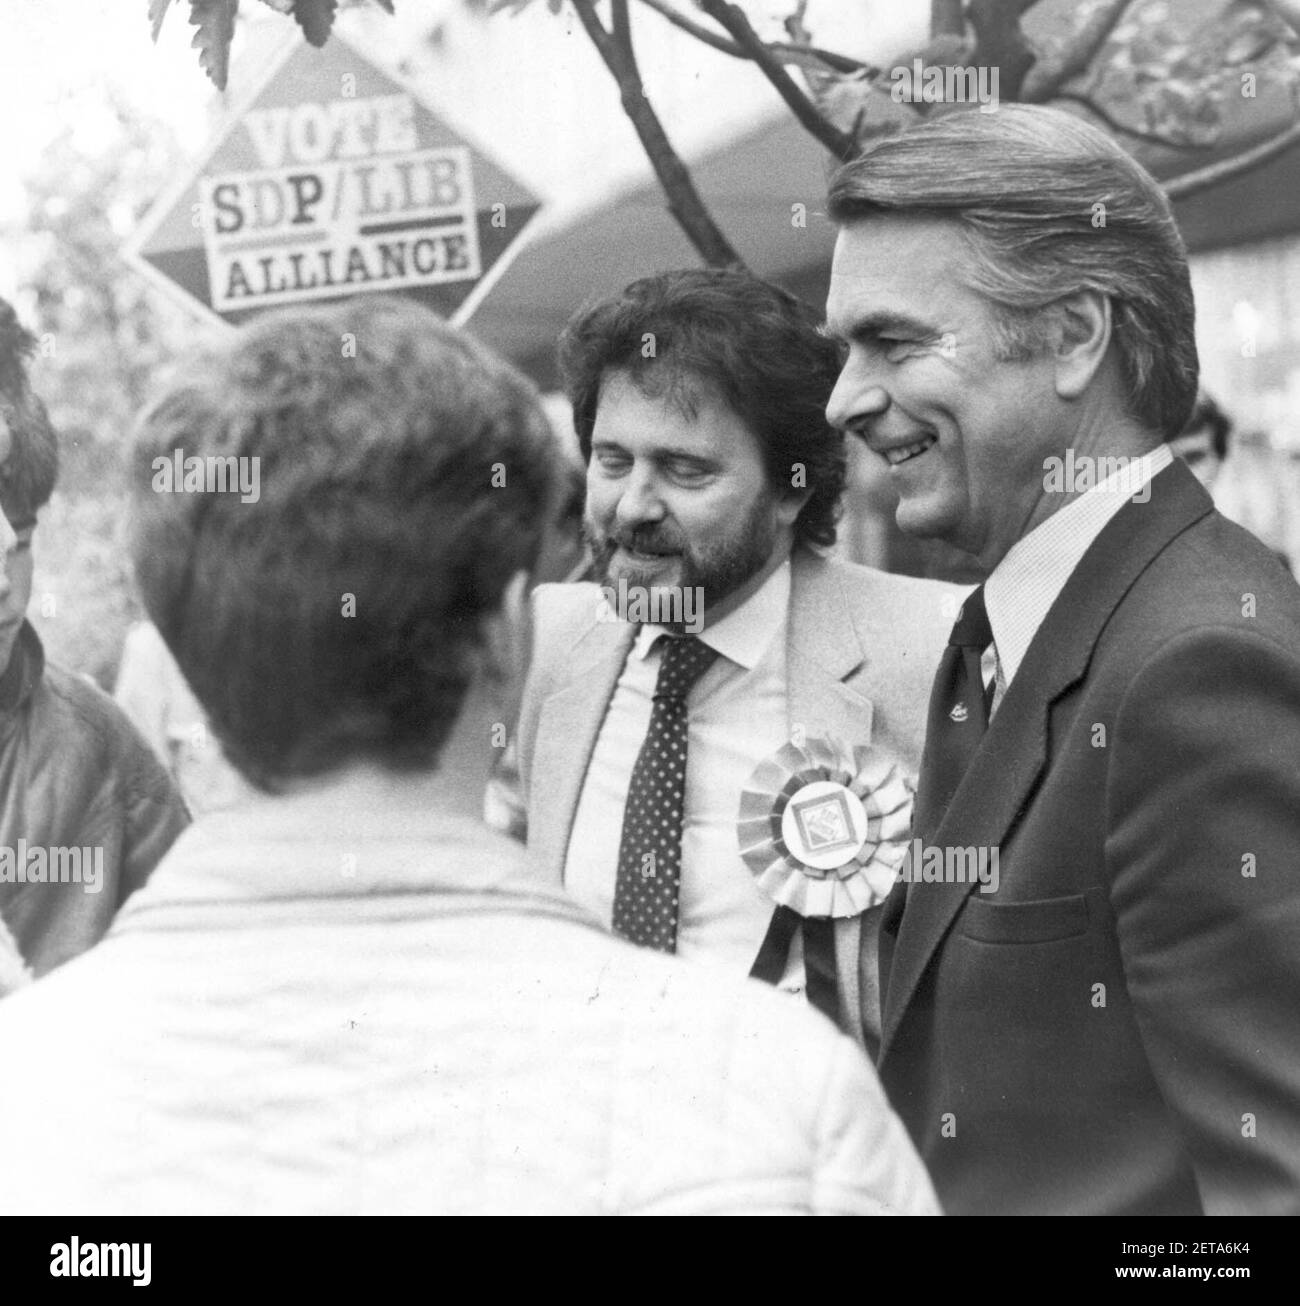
(1117, 1028)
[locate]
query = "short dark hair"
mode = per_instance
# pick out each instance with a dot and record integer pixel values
(1208, 416)
(28, 476)
(401, 464)
(753, 344)
(1050, 206)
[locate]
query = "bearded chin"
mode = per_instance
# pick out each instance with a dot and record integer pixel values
(716, 572)
(726, 570)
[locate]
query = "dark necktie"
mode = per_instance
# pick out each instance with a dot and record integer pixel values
(650, 854)
(958, 716)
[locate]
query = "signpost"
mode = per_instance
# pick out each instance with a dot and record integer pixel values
(334, 180)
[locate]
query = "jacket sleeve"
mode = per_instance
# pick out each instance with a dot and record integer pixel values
(534, 694)
(1203, 848)
(503, 801)
(13, 971)
(865, 1163)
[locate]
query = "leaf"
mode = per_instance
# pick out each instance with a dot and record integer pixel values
(1185, 112)
(316, 18)
(157, 12)
(385, 5)
(516, 7)
(215, 21)
(853, 101)
(1247, 46)
(280, 6)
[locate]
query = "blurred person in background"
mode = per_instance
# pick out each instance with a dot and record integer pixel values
(344, 993)
(1203, 444)
(86, 811)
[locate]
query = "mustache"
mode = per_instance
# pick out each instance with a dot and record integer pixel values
(643, 539)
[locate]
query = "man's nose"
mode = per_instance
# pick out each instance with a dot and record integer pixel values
(856, 399)
(641, 500)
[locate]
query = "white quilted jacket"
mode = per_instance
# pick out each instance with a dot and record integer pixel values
(13, 973)
(341, 1003)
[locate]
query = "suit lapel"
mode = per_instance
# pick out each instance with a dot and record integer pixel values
(1013, 753)
(567, 728)
(823, 649)
(820, 653)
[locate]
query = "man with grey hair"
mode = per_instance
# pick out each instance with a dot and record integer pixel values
(342, 993)
(1117, 1028)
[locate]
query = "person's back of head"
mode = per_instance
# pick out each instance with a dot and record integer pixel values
(386, 478)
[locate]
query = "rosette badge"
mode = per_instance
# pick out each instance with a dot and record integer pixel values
(824, 826)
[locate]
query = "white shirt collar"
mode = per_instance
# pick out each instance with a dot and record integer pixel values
(744, 635)
(1023, 586)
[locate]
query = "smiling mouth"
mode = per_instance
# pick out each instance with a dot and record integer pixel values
(644, 555)
(906, 452)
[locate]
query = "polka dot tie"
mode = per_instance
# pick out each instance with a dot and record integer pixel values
(650, 854)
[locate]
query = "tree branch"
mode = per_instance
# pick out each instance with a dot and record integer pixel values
(947, 18)
(836, 62)
(1045, 80)
(730, 16)
(999, 42)
(1288, 11)
(1214, 174)
(621, 31)
(1114, 124)
(684, 201)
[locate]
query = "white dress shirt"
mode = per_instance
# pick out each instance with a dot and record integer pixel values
(1022, 588)
(737, 718)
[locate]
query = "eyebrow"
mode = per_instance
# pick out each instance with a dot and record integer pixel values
(661, 453)
(871, 325)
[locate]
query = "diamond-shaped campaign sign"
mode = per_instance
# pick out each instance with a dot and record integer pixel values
(334, 180)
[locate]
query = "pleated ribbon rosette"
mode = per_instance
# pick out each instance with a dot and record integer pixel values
(824, 826)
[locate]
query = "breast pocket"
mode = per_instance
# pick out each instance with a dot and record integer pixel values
(1042, 921)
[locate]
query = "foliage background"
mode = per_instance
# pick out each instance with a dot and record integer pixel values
(104, 337)
(1153, 75)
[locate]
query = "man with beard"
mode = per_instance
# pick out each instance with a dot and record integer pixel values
(720, 634)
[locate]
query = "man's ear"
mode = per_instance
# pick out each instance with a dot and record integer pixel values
(793, 495)
(1083, 334)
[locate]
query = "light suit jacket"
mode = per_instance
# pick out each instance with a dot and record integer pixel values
(862, 650)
